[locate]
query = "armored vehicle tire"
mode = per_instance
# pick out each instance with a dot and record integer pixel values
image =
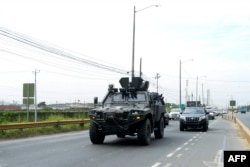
(120, 135)
(159, 132)
(181, 127)
(96, 136)
(144, 132)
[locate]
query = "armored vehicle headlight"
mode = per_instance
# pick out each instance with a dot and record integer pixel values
(92, 117)
(138, 117)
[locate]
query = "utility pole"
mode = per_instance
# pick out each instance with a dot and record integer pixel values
(203, 96)
(157, 77)
(140, 67)
(208, 97)
(196, 91)
(35, 72)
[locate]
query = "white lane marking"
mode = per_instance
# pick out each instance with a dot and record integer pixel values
(216, 162)
(170, 155)
(223, 148)
(179, 148)
(168, 165)
(156, 164)
(179, 155)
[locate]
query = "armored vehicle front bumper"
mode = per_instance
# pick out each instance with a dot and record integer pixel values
(115, 122)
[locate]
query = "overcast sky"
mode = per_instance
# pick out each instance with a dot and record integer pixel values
(214, 33)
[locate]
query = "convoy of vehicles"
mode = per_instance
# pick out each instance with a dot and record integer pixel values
(133, 110)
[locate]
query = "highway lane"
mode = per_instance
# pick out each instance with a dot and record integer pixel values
(189, 148)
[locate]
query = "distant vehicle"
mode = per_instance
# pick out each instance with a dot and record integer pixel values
(175, 113)
(224, 111)
(236, 111)
(194, 117)
(211, 114)
(243, 109)
(213, 110)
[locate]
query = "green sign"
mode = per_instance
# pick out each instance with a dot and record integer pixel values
(232, 103)
(28, 89)
(28, 93)
(28, 101)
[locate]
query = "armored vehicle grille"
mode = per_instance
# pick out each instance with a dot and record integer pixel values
(116, 116)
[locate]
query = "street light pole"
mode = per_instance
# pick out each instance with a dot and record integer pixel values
(180, 84)
(197, 88)
(180, 76)
(157, 77)
(133, 47)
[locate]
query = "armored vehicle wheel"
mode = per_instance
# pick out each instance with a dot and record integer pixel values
(96, 136)
(144, 132)
(159, 132)
(120, 135)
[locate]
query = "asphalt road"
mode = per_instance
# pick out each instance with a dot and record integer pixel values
(191, 148)
(244, 118)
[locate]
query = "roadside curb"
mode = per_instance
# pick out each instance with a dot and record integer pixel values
(243, 129)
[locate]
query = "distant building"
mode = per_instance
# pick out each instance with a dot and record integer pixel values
(10, 107)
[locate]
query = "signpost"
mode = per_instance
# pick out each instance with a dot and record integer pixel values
(232, 104)
(28, 95)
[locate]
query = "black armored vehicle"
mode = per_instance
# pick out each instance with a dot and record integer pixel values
(129, 110)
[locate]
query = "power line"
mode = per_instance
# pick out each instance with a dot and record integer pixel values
(48, 48)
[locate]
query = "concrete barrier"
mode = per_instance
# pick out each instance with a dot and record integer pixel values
(243, 129)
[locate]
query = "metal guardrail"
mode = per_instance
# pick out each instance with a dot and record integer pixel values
(42, 124)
